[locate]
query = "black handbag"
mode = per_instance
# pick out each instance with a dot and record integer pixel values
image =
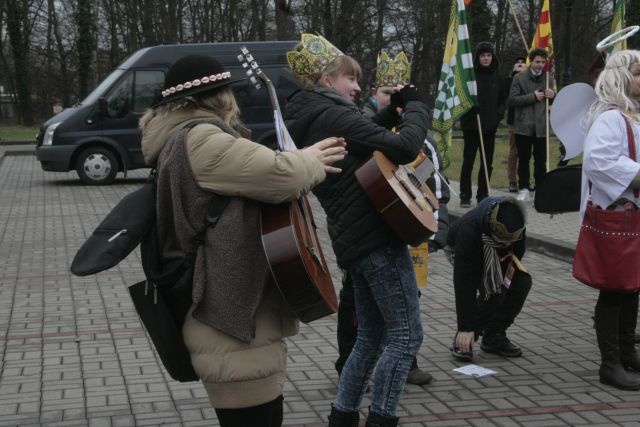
(164, 299)
(559, 190)
(165, 333)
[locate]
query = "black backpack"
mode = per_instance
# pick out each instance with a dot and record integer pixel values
(164, 298)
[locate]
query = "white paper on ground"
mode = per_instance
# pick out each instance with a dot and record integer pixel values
(475, 371)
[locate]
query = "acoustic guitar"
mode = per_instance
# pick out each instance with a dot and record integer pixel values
(289, 234)
(400, 195)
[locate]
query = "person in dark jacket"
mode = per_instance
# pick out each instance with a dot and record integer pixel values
(491, 284)
(512, 158)
(390, 73)
(386, 293)
(492, 98)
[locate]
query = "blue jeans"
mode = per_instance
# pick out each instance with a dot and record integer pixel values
(389, 330)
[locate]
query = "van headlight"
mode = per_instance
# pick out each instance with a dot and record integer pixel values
(48, 133)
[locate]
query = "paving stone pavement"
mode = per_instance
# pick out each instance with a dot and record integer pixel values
(73, 351)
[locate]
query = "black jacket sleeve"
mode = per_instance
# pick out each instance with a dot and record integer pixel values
(364, 137)
(387, 118)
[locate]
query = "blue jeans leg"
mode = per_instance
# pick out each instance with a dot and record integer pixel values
(389, 330)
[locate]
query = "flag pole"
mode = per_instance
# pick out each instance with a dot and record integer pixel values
(546, 116)
(515, 18)
(484, 157)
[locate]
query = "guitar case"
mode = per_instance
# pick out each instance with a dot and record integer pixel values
(559, 190)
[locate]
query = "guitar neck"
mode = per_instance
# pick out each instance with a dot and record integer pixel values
(285, 143)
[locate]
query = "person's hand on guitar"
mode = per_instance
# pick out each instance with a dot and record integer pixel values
(329, 151)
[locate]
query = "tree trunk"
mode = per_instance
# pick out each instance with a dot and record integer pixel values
(285, 28)
(17, 15)
(87, 44)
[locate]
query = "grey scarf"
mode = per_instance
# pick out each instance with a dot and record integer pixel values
(493, 278)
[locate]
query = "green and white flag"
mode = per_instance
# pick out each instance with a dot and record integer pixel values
(457, 91)
(617, 24)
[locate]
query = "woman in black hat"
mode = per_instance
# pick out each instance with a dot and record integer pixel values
(236, 327)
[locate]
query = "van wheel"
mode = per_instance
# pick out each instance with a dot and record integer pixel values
(97, 166)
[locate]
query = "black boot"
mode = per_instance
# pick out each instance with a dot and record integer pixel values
(377, 420)
(343, 419)
(628, 321)
(417, 376)
(498, 343)
(611, 370)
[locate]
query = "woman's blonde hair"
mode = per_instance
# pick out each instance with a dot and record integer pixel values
(342, 65)
(222, 102)
(614, 85)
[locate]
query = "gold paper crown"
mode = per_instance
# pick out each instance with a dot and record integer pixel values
(390, 72)
(316, 53)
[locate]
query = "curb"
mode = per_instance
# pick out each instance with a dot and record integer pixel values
(540, 244)
(28, 142)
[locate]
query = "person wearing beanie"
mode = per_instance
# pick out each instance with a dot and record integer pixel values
(194, 139)
(512, 158)
(492, 98)
(490, 282)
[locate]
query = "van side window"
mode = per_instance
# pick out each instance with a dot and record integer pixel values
(148, 86)
(119, 99)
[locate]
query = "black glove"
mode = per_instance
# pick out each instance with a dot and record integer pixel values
(409, 93)
(396, 101)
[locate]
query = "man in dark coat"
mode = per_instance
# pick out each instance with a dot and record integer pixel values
(491, 284)
(492, 98)
(528, 94)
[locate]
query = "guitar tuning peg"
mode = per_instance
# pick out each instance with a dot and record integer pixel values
(245, 65)
(249, 73)
(244, 50)
(250, 58)
(240, 58)
(258, 86)
(253, 80)
(254, 65)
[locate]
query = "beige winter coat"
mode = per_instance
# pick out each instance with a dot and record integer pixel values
(238, 374)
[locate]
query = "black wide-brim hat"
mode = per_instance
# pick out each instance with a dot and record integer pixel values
(192, 75)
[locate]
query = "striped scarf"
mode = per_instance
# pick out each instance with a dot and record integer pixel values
(493, 278)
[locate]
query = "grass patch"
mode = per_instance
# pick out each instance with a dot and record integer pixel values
(501, 151)
(18, 133)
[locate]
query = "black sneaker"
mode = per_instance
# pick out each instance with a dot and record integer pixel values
(500, 344)
(513, 188)
(461, 355)
(465, 203)
(419, 377)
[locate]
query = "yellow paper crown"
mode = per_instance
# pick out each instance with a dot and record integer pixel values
(393, 72)
(316, 53)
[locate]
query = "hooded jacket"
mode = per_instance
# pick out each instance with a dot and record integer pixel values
(465, 238)
(355, 227)
(492, 94)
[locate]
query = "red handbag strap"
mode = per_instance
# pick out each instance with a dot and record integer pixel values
(632, 146)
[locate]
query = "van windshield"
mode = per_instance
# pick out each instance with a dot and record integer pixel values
(102, 87)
